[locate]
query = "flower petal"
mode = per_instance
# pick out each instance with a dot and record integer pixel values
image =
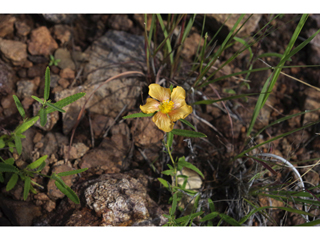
(150, 107)
(163, 122)
(178, 97)
(179, 113)
(158, 92)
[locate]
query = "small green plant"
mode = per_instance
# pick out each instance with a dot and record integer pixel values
(9, 172)
(53, 61)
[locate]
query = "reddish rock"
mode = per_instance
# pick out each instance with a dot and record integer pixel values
(41, 42)
(7, 79)
(67, 73)
(191, 45)
(120, 22)
(13, 51)
(6, 25)
(63, 82)
(22, 28)
(27, 102)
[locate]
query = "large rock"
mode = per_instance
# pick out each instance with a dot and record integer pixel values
(41, 42)
(13, 51)
(110, 55)
(6, 25)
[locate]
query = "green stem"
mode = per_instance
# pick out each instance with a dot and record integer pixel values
(174, 164)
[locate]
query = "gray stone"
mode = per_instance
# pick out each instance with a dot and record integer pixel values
(65, 59)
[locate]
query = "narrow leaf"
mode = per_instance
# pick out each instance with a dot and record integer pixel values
(312, 223)
(209, 216)
(71, 172)
(170, 139)
(64, 102)
(26, 125)
(18, 144)
(174, 204)
(43, 117)
(55, 107)
(168, 172)
(27, 184)
(12, 182)
(8, 168)
(2, 143)
(187, 123)
(68, 192)
(136, 115)
(47, 84)
(19, 106)
(1, 177)
(188, 218)
(187, 133)
(9, 161)
(229, 219)
(183, 163)
(161, 180)
(37, 163)
(38, 99)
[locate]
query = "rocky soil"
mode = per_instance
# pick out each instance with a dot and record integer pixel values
(125, 157)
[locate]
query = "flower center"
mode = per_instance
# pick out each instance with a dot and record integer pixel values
(166, 106)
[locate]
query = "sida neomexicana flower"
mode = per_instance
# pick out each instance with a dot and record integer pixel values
(170, 106)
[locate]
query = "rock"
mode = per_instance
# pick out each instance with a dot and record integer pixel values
(42, 197)
(54, 80)
(108, 157)
(62, 33)
(64, 83)
(25, 88)
(248, 28)
(53, 192)
(20, 213)
(50, 206)
(50, 144)
(77, 150)
(27, 102)
(13, 51)
(65, 59)
(6, 25)
(41, 42)
(99, 124)
(140, 19)
(22, 28)
(120, 22)
(7, 79)
(122, 200)
(60, 18)
(52, 118)
(314, 47)
(145, 133)
(191, 45)
(67, 73)
(36, 70)
(7, 102)
(83, 217)
(27, 144)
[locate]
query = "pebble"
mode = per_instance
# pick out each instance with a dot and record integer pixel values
(63, 82)
(41, 42)
(67, 73)
(13, 51)
(65, 59)
(6, 25)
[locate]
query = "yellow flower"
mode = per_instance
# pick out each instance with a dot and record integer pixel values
(170, 107)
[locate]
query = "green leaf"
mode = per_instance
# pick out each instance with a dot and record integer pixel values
(209, 216)
(42, 165)
(211, 205)
(1, 177)
(187, 133)
(18, 144)
(9, 161)
(187, 123)
(171, 87)
(37, 163)
(27, 184)
(47, 84)
(174, 204)
(66, 101)
(55, 107)
(19, 106)
(272, 54)
(161, 180)
(12, 182)
(11, 146)
(170, 139)
(68, 192)
(168, 172)
(187, 218)
(43, 117)
(229, 219)
(72, 172)
(2, 143)
(140, 114)
(229, 91)
(312, 223)
(8, 168)
(183, 163)
(26, 125)
(38, 99)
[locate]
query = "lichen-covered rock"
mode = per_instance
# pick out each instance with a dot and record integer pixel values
(122, 200)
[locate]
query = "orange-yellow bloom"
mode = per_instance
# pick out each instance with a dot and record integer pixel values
(170, 106)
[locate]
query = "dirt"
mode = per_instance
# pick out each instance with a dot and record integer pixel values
(94, 47)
